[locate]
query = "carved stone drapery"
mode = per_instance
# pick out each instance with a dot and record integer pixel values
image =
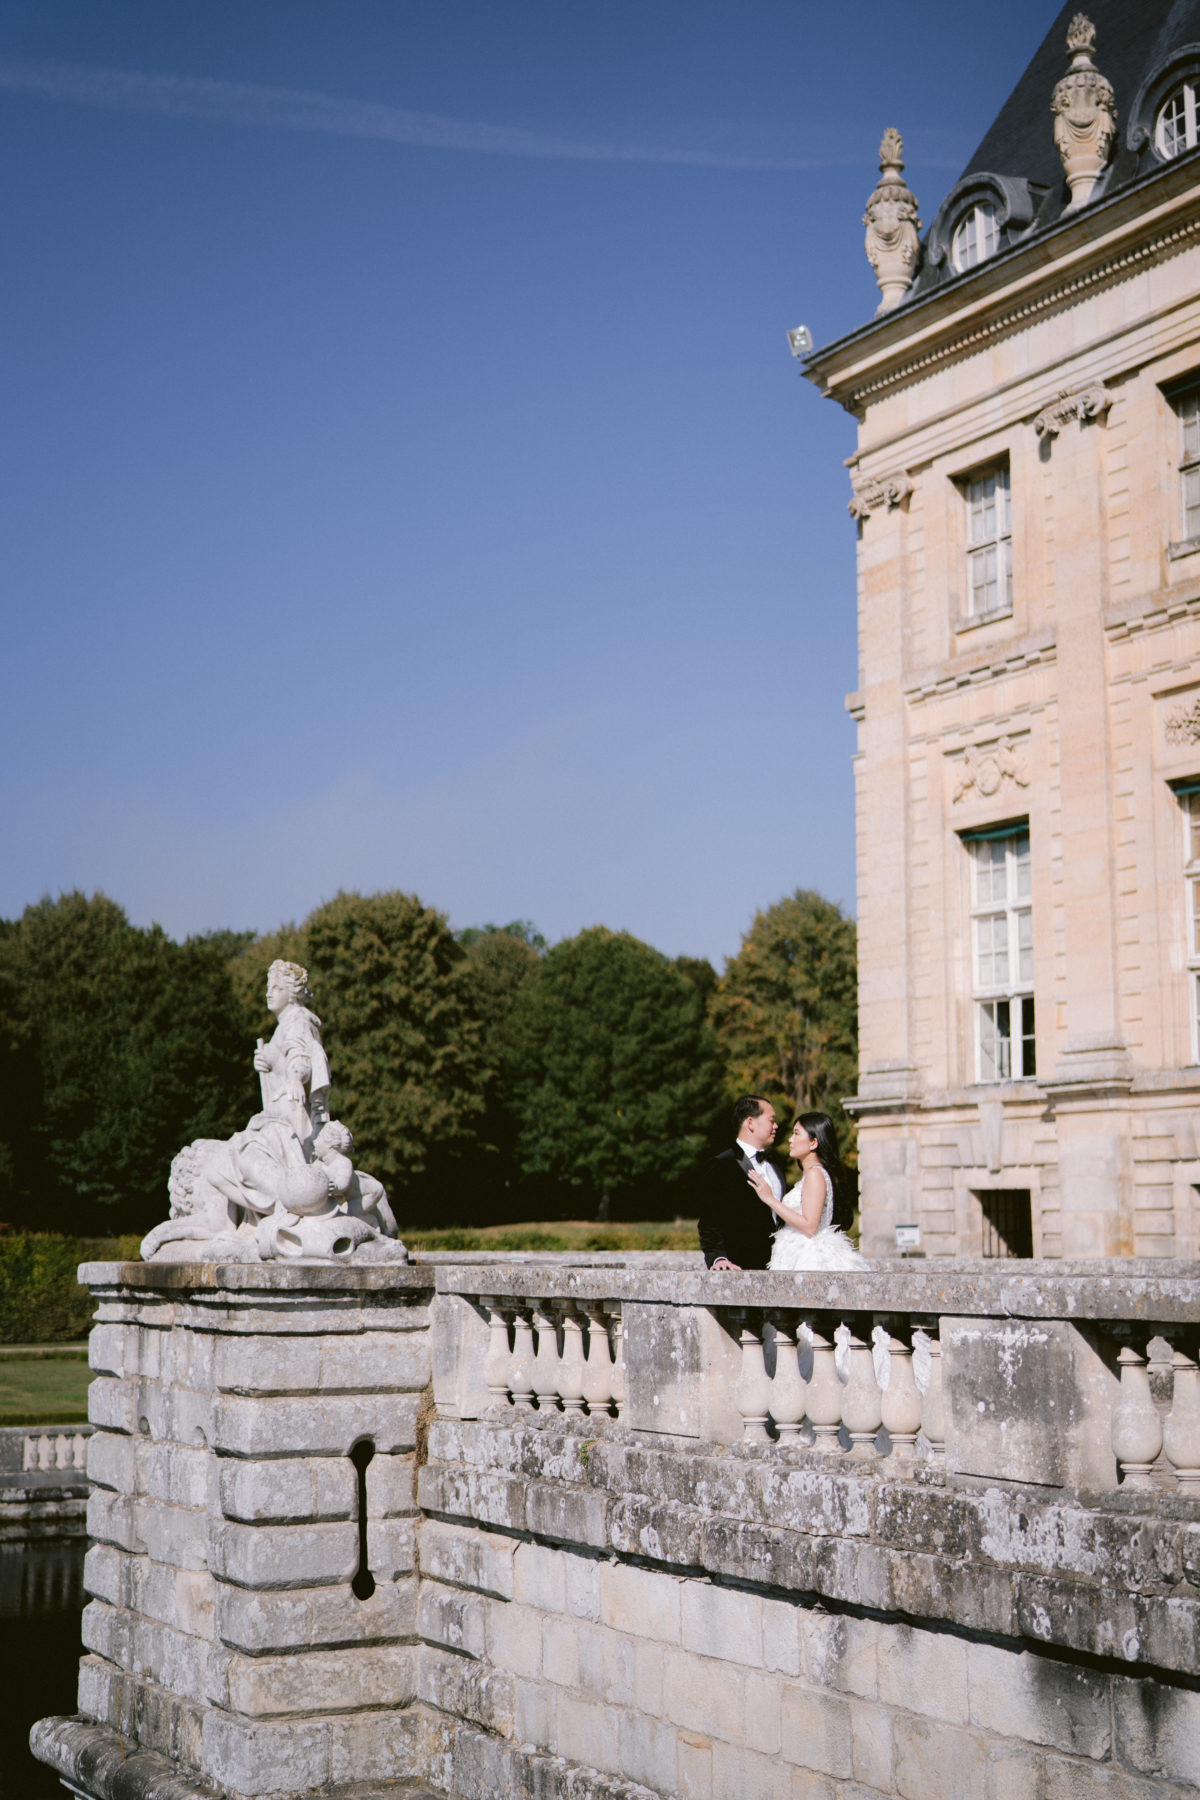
(1085, 114)
(986, 767)
(1091, 402)
(893, 241)
(877, 492)
(1183, 723)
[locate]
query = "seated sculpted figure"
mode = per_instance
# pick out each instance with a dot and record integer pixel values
(285, 1186)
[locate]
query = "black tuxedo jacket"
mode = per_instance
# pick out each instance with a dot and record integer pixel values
(733, 1220)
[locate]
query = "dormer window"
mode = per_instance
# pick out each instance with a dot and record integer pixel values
(976, 236)
(1175, 128)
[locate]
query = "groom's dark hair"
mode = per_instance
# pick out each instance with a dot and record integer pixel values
(748, 1107)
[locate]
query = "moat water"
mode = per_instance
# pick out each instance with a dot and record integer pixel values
(41, 1599)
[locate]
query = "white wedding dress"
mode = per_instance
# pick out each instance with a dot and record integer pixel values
(828, 1248)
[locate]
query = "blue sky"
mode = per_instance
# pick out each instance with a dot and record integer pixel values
(406, 482)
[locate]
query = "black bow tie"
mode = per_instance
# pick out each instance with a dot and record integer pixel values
(759, 1156)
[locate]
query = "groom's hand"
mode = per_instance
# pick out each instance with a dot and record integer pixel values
(723, 1262)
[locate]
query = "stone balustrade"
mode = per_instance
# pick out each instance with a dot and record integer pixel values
(49, 1447)
(1072, 1375)
(547, 1526)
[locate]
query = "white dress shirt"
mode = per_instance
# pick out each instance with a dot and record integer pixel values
(764, 1168)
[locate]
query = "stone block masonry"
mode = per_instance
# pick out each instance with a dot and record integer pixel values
(555, 1602)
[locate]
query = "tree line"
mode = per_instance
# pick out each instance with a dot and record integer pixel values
(486, 1075)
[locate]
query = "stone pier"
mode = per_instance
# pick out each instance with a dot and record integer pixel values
(609, 1528)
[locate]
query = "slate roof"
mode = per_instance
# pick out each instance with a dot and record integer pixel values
(1133, 39)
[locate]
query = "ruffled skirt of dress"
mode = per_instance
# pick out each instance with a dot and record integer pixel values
(829, 1248)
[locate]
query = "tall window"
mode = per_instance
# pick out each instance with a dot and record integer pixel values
(989, 542)
(1191, 875)
(1187, 409)
(1002, 926)
(1175, 128)
(976, 236)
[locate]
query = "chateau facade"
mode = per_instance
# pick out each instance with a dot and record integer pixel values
(1027, 491)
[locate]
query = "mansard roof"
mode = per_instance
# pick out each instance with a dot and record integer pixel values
(1140, 46)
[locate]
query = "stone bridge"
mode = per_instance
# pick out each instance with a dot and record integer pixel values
(581, 1528)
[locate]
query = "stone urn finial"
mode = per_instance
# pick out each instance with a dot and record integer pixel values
(1085, 114)
(893, 244)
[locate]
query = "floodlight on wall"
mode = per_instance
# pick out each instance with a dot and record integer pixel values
(800, 342)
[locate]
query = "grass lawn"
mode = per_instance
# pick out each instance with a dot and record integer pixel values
(44, 1390)
(567, 1234)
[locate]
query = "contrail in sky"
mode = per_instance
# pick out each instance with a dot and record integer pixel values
(300, 109)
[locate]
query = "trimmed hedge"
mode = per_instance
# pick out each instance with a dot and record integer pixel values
(40, 1300)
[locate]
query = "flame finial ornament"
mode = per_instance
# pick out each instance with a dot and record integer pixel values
(1085, 115)
(893, 241)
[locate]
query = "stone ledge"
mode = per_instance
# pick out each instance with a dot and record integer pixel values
(94, 1761)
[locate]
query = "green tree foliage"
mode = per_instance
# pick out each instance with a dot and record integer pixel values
(405, 1046)
(611, 1065)
(119, 1046)
(785, 1009)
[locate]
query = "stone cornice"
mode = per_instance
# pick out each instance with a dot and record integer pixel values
(963, 672)
(1095, 247)
(1170, 610)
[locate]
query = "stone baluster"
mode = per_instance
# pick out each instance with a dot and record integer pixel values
(496, 1362)
(598, 1369)
(862, 1402)
(45, 1446)
(787, 1388)
(752, 1389)
(520, 1369)
(933, 1400)
(1181, 1433)
(571, 1368)
(546, 1361)
(901, 1404)
(613, 1307)
(81, 1445)
(1137, 1433)
(824, 1394)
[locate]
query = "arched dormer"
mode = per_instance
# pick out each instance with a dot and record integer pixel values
(981, 215)
(1165, 115)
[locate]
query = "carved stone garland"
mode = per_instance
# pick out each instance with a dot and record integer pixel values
(1085, 114)
(1183, 724)
(893, 242)
(1088, 403)
(877, 492)
(986, 767)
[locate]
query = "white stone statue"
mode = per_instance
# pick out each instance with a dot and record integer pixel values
(285, 1186)
(893, 240)
(1085, 114)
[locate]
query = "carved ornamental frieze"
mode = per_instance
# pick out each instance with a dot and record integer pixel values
(1182, 725)
(1085, 114)
(877, 492)
(1082, 406)
(984, 769)
(893, 241)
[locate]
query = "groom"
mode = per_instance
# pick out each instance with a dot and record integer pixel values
(735, 1227)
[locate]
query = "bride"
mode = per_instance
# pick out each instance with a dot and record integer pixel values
(808, 1238)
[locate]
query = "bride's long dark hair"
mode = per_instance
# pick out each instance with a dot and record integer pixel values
(819, 1125)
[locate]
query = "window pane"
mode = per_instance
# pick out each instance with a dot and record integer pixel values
(1024, 946)
(1188, 406)
(1003, 500)
(1171, 133)
(1028, 1038)
(1021, 857)
(1191, 503)
(1005, 583)
(984, 588)
(991, 870)
(991, 942)
(1193, 811)
(1195, 887)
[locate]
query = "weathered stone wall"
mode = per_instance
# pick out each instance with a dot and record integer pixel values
(760, 1623)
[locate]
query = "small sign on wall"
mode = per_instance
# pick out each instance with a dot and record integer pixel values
(908, 1238)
